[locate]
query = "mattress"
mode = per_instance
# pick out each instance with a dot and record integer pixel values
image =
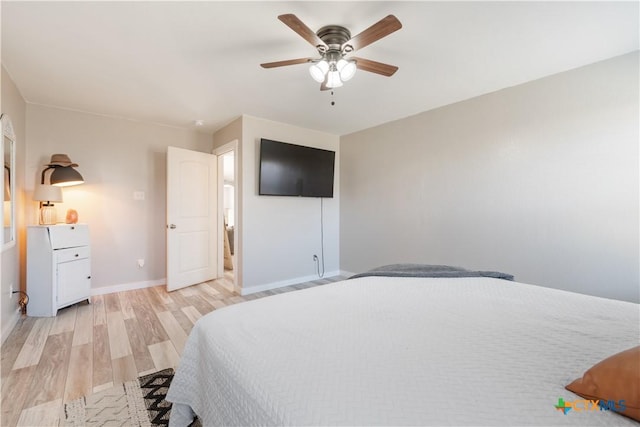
(400, 351)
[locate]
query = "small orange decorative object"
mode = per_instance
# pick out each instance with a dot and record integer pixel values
(72, 216)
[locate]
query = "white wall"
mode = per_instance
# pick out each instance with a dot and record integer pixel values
(116, 157)
(280, 235)
(10, 272)
(538, 180)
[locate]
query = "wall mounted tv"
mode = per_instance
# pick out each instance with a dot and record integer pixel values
(295, 170)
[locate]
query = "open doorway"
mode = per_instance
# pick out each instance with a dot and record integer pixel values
(227, 202)
(228, 208)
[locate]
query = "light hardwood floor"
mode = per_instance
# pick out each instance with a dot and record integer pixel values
(90, 347)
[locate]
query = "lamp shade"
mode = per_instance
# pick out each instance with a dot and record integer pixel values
(347, 69)
(47, 193)
(64, 176)
(333, 79)
(318, 70)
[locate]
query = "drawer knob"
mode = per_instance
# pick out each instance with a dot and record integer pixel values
(72, 227)
(88, 277)
(77, 255)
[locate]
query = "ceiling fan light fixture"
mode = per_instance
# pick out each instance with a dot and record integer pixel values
(347, 69)
(319, 70)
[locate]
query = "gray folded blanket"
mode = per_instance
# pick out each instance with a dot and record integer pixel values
(427, 270)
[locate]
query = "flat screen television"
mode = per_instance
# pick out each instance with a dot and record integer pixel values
(295, 170)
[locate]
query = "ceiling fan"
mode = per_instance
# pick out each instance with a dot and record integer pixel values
(333, 43)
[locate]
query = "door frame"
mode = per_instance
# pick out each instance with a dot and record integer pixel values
(232, 146)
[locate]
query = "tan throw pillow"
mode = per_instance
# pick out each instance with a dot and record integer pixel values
(614, 379)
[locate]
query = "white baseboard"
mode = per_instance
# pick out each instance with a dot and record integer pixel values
(283, 283)
(127, 287)
(8, 326)
(242, 291)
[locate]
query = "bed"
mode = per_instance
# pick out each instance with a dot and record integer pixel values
(378, 350)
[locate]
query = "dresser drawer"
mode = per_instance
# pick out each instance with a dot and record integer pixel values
(69, 235)
(72, 254)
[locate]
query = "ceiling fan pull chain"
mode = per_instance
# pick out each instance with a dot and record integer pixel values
(332, 101)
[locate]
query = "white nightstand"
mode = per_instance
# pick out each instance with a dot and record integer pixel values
(58, 267)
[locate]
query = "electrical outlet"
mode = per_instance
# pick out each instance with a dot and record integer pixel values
(141, 262)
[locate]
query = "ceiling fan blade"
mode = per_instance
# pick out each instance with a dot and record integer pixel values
(285, 63)
(375, 67)
(380, 29)
(292, 21)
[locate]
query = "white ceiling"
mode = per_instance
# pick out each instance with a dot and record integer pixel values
(176, 62)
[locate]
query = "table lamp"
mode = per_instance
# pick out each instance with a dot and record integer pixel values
(45, 194)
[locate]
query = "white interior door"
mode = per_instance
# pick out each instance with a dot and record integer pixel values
(192, 217)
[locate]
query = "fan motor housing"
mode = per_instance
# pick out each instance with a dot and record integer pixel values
(334, 35)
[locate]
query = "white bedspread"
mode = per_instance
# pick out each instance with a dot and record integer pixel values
(400, 351)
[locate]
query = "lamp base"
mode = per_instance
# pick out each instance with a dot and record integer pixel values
(47, 215)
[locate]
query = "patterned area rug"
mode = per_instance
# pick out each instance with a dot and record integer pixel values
(140, 402)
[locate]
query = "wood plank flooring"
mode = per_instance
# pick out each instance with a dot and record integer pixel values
(90, 347)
